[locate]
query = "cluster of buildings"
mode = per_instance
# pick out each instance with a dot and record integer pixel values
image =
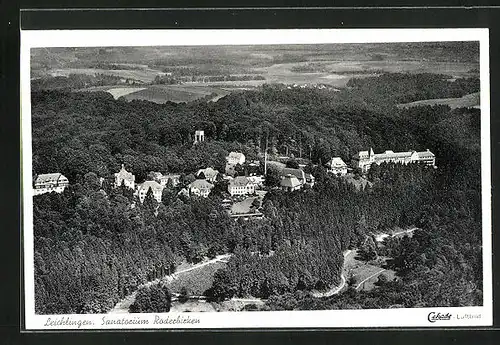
(157, 183)
(290, 179)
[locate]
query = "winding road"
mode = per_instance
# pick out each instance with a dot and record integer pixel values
(122, 306)
(336, 289)
(380, 237)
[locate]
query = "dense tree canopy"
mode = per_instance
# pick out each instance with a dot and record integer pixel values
(94, 244)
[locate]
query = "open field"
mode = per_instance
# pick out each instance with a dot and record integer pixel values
(197, 281)
(144, 75)
(162, 93)
(242, 206)
(123, 91)
(338, 73)
(364, 274)
(175, 93)
(192, 306)
(233, 304)
(468, 101)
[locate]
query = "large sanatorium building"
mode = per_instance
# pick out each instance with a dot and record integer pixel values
(364, 159)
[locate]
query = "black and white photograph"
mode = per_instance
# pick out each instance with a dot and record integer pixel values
(254, 179)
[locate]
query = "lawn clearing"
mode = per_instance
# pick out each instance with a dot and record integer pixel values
(467, 101)
(196, 281)
(242, 207)
(175, 93)
(144, 75)
(192, 306)
(364, 274)
(123, 91)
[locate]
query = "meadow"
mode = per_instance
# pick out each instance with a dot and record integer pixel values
(365, 274)
(196, 281)
(174, 93)
(468, 101)
(140, 74)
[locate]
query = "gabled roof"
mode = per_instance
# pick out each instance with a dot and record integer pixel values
(361, 155)
(309, 177)
(201, 184)
(236, 155)
(239, 181)
(155, 186)
(50, 178)
(336, 162)
(256, 179)
(124, 174)
(425, 154)
(208, 172)
(156, 174)
(391, 154)
(290, 181)
(299, 174)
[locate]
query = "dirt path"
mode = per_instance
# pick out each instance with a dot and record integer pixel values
(336, 289)
(122, 306)
(368, 278)
(381, 237)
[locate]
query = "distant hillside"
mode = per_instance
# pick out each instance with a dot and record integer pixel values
(468, 101)
(79, 132)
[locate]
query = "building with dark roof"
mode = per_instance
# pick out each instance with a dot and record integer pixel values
(290, 183)
(298, 173)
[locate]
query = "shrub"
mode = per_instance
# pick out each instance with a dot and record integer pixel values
(152, 299)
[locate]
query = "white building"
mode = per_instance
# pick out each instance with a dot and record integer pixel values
(143, 189)
(53, 182)
(163, 179)
(364, 159)
(209, 173)
(126, 177)
(309, 179)
(257, 180)
(235, 158)
(241, 185)
(200, 188)
(199, 136)
(337, 166)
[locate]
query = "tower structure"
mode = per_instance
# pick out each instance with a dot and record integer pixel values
(199, 136)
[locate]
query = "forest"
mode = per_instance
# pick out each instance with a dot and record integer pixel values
(78, 81)
(92, 248)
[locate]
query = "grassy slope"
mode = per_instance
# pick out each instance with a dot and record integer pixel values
(196, 281)
(470, 100)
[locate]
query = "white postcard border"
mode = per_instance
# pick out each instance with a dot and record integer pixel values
(411, 317)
